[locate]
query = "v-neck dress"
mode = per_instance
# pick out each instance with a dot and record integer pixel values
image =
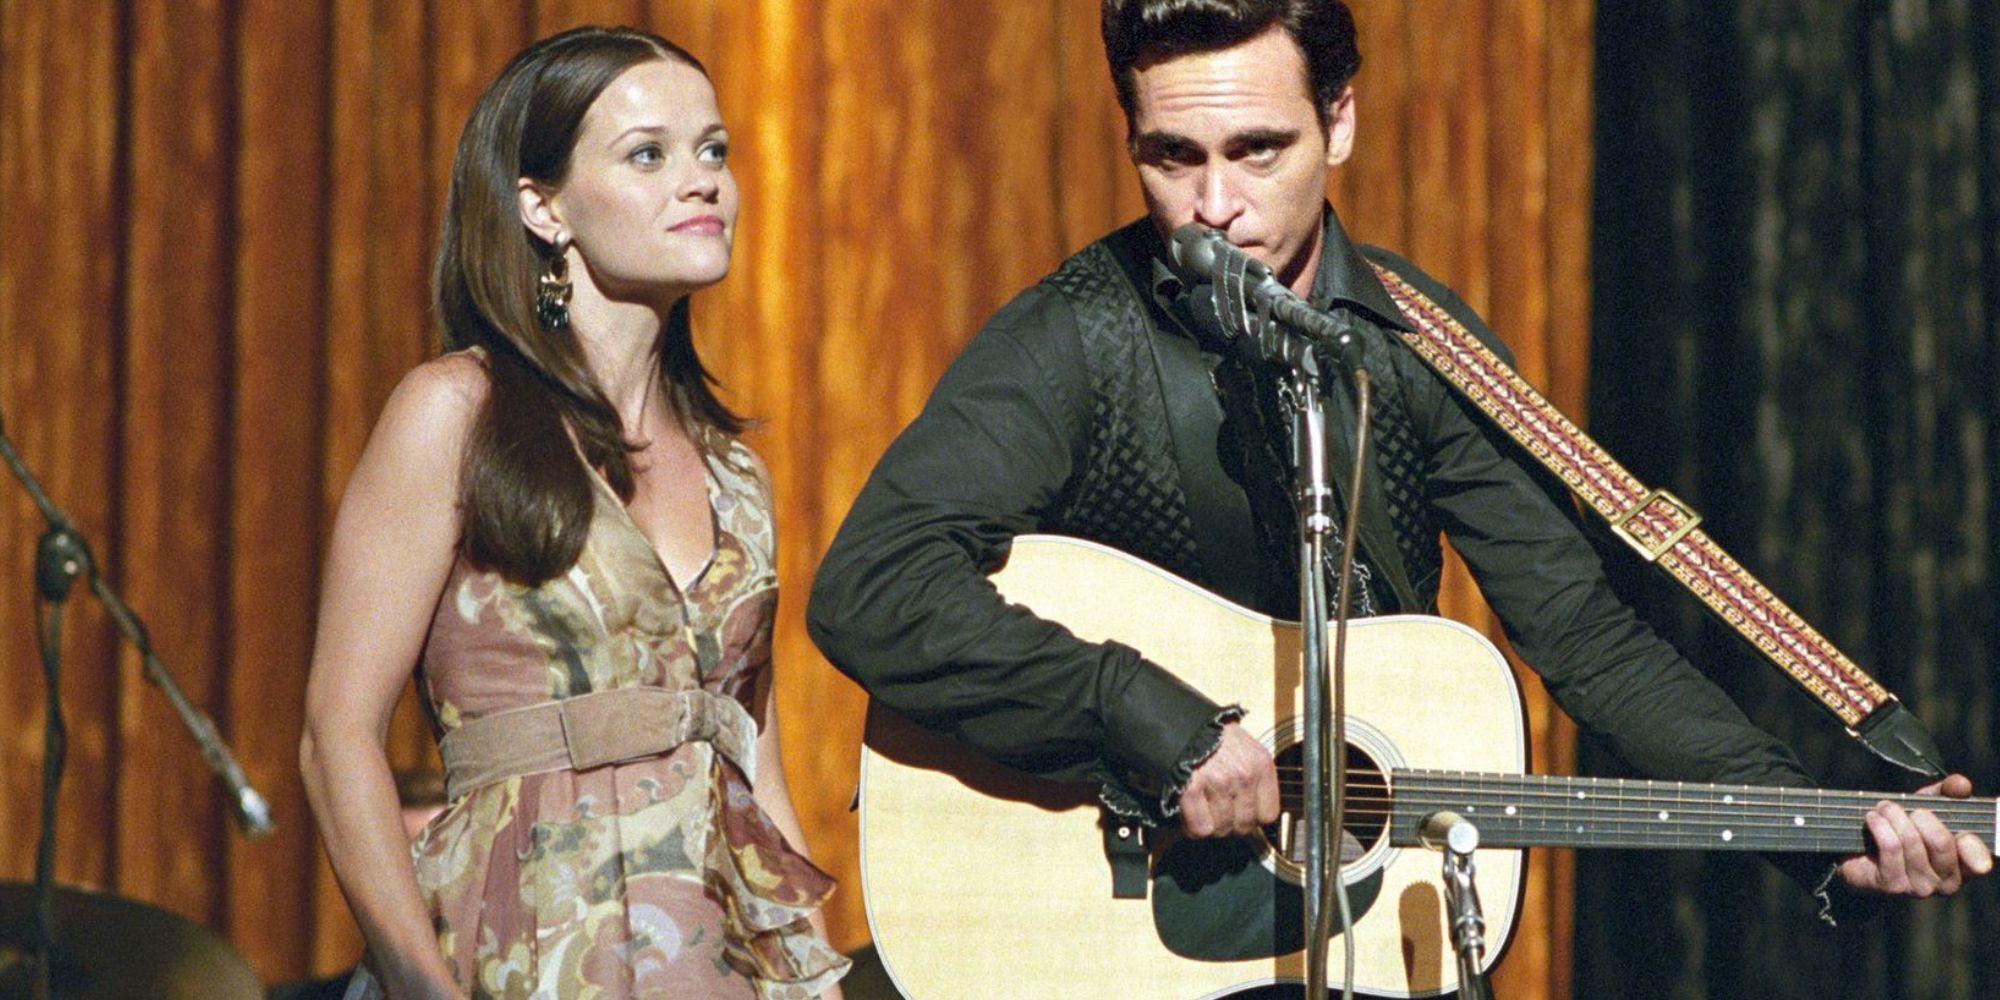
(659, 877)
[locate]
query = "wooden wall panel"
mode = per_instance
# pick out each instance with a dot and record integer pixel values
(274, 449)
(61, 235)
(552, 16)
(237, 297)
(1570, 110)
(1372, 190)
(1095, 186)
(173, 489)
(469, 44)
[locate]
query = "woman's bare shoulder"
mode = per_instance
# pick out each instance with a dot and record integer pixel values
(428, 417)
(441, 395)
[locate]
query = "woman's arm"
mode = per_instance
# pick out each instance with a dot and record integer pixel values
(392, 548)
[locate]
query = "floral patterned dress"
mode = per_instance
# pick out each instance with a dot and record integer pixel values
(659, 877)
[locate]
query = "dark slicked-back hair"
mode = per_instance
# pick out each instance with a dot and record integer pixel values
(1135, 30)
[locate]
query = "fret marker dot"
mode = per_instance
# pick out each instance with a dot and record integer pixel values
(1728, 835)
(1579, 828)
(1579, 796)
(1729, 800)
(1510, 810)
(1798, 821)
(1663, 815)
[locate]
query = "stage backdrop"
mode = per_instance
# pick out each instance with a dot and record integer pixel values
(217, 225)
(1798, 216)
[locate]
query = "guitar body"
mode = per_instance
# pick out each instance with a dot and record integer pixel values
(982, 881)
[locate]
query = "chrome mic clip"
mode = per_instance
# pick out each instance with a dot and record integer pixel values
(1257, 312)
(1457, 838)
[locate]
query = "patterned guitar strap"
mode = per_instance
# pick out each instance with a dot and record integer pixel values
(1666, 533)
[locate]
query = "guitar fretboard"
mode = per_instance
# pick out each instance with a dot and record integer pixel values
(1554, 811)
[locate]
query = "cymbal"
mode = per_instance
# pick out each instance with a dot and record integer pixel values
(108, 946)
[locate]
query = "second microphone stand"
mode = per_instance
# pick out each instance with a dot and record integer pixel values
(1455, 837)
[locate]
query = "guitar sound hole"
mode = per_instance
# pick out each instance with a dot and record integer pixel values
(1367, 817)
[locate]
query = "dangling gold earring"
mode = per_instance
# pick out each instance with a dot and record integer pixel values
(553, 292)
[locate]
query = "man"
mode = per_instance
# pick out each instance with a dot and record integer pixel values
(1091, 405)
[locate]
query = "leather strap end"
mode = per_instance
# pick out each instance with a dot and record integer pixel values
(1125, 849)
(1896, 735)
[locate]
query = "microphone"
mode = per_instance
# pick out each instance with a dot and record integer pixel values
(1448, 831)
(253, 813)
(1204, 253)
(251, 810)
(1204, 256)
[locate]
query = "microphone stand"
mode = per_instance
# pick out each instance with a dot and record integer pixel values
(1312, 359)
(61, 556)
(1325, 716)
(1267, 323)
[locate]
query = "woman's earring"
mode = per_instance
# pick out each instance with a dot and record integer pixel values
(553, 292)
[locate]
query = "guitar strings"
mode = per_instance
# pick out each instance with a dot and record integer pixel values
(1660, 809)
(1649, 809)
(1647, 795)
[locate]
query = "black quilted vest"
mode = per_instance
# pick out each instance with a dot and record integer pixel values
(1129, 493)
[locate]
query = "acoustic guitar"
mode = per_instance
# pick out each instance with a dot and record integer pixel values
(982, 881)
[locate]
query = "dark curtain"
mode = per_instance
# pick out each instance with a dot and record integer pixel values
(1797, 264)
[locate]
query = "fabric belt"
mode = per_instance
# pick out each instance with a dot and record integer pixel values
(1664, 531)
(592, 730)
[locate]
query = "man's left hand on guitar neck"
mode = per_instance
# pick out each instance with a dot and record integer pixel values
(1915, 854)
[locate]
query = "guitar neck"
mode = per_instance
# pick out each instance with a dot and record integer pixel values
(1553, 811)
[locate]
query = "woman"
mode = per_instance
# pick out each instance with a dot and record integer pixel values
(556, 527)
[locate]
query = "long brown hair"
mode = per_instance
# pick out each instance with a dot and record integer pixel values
(524, 493)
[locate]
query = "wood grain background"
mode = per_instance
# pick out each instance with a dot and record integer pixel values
(214, 248)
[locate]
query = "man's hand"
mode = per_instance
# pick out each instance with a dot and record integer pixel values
(1234, 791)
(1915, 854)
